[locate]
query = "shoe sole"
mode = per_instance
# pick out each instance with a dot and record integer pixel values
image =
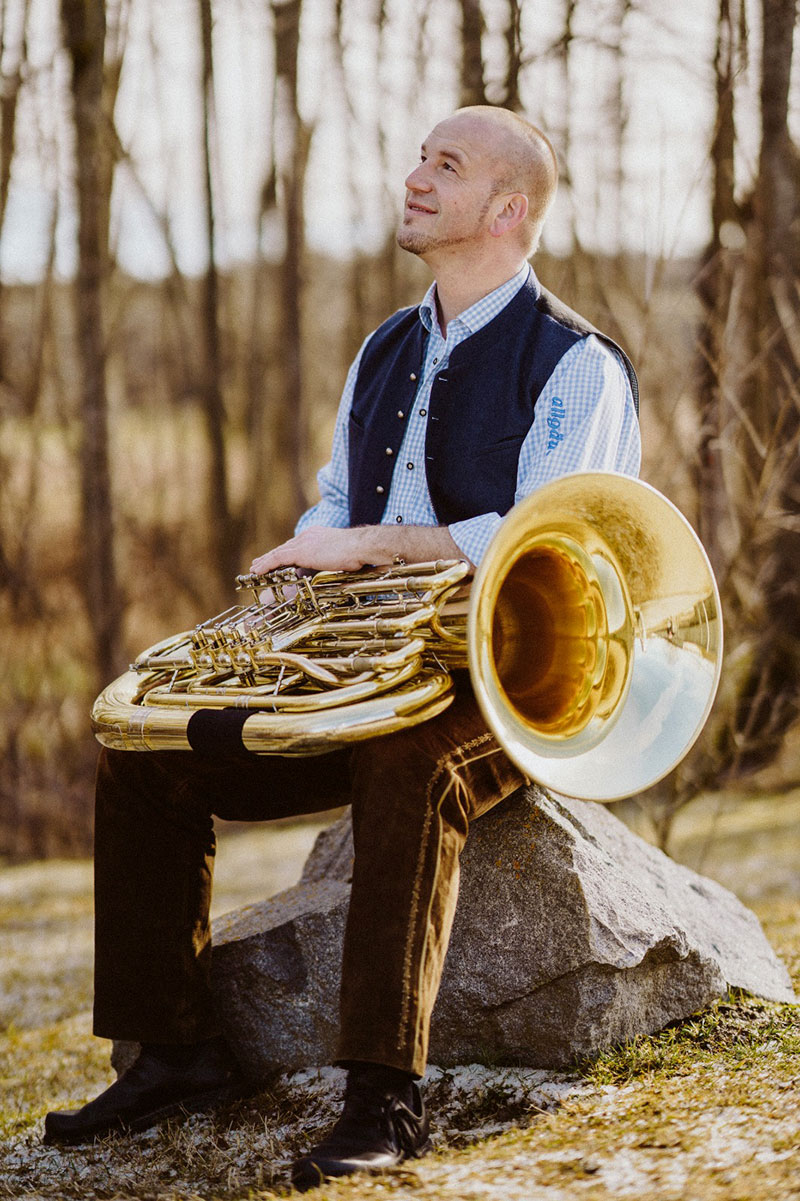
(309, 1173)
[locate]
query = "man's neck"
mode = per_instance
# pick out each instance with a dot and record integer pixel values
(457, 290)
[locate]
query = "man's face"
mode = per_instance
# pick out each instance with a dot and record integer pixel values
(449, 193)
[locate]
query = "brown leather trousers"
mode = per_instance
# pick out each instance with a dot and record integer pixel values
(413, 795)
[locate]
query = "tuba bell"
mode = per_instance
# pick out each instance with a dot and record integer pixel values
(592, 632)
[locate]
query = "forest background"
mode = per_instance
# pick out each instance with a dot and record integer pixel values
(197, 210)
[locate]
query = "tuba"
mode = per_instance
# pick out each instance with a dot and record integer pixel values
(592, 633)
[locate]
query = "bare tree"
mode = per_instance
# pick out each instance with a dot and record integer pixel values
(276, 415)
(116, 34)
(714, 286)
(84, 28)
(473, 88)
(770, 699)
(563, 131)
(16, 54)
(290, 155)
(747, 473)
(224, 529)
(360, 265)
(618, 111)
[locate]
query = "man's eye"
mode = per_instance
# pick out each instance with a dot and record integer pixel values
(448, 166)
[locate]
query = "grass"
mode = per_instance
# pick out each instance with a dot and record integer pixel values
(731, 1034)
(707, 1108)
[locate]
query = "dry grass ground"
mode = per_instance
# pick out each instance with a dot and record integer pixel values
(707, 1109)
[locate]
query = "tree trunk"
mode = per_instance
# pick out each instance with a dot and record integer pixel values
(83, 23)
(15, 58)
(770, 701)
(563, 140)
(117, 16)
(291, 149)
(618, 111)
(714, 286)
(223, 529)
(472, 74)
(513, 55)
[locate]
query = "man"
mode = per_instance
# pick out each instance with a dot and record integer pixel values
(451, 412)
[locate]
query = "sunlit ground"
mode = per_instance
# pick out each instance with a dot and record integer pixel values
(709, 1108)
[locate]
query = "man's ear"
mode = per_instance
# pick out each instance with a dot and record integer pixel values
(513, 212)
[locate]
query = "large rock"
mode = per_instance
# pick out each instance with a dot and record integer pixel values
(571, 934)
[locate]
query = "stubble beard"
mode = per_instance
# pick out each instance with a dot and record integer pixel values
(416, 241)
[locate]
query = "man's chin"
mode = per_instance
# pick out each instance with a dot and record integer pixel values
(413, 242)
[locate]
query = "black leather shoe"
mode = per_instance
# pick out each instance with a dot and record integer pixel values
(375, 1132)
(152, 1090)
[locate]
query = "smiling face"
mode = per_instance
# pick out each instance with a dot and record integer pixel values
(449, 194)
(484, 173)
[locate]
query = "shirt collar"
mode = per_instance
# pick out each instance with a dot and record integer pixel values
(480, 313)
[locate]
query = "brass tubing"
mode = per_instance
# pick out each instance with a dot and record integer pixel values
(219, 697)
(592, 633)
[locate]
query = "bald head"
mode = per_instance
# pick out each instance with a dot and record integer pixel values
(524, 160)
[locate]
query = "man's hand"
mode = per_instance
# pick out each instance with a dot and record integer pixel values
(319, 548)
(322, 548)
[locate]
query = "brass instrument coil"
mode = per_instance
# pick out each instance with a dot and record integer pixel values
(592, 632)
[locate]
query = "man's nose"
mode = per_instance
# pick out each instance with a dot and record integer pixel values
(418, 180)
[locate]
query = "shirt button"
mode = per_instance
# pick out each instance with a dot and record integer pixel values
(399, 519)
(435, 361)
(423, 412)
(410, 466)
(379, 488)
(389, 450)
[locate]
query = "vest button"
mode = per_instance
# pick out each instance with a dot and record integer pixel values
(413, 375)
(400, 413)
(379, 489)
(389, 450)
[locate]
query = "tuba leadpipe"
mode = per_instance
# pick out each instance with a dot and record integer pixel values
(592, 633)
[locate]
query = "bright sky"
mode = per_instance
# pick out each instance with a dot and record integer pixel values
(667, 92)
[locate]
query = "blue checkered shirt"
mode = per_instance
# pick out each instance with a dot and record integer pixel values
(584, 420)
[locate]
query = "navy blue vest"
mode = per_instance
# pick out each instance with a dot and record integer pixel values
(480, 411)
